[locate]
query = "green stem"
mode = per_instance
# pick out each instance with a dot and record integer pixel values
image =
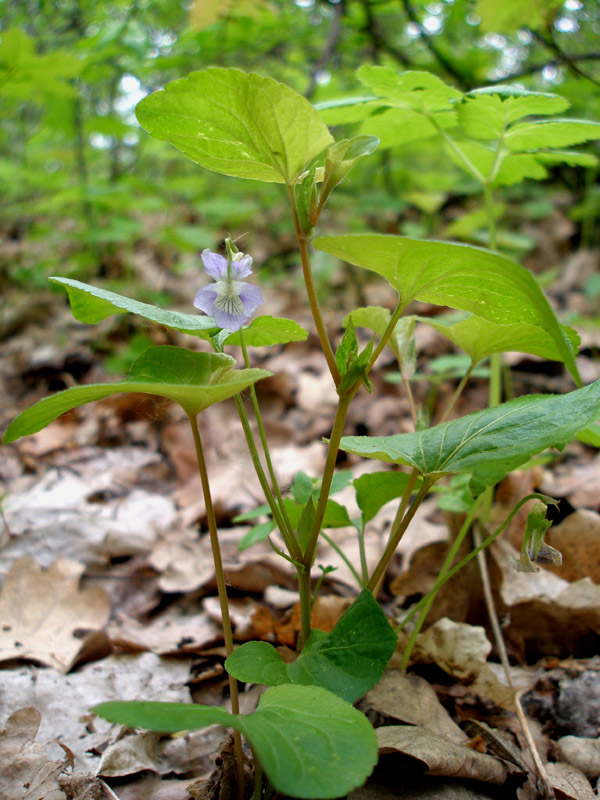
(345, 559)
(441, 580)
(305, 605)
(387, 333)
(396, 534)
(222, 592)
(332, 451)
(430, 597)
(284, 528)
(312, 294)
(263, 439)
(363, 553)
(457, 393)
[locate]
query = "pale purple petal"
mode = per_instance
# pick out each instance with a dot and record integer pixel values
(241, 269)
(251, 297)
(230, 322)
(215, 265)
(205, 298)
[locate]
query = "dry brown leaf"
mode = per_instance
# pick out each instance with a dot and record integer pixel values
(45, 616)
(578, 539)
(408, 786)
(410, 699)
(439, 756)
(548, 615)
(25, 771)
(579, 483)
(64, 700)
(583, 754)
(459, 649)
(569, 783)
(179, 629)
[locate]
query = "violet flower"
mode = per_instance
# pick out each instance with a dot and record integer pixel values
(230, 300)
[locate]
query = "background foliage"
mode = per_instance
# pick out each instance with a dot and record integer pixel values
(84, 187)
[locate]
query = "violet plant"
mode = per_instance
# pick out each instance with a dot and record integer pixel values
(306, 737)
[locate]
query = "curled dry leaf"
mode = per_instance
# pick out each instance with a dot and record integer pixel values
(569, 783)
(410, 699)
(25, 771)
(459, 649)
(45, 616)
(439, 756)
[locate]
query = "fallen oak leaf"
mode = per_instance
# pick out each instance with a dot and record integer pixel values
(45, 616)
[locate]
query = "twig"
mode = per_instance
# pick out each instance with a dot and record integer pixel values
(547, 790)
(379, 44)
(551, 44)
(335, 29)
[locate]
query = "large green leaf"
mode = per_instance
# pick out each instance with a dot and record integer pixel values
(480, 338)
(484, 113)
(237, 124)
(348, 661)
(310, 743)
(194, 380)
(455, 275)
(91, 305)
(550, 133)
(487, 444)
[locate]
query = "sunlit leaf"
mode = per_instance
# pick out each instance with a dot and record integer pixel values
(550, 133)
(194, 380)
(237, 124)
(268, 331)
(455, 275)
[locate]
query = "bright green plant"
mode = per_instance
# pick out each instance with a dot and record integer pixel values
(305, 734)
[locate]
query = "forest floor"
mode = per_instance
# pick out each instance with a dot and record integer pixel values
(109, 590)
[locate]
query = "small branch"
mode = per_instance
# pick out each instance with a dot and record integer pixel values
(430, 44)
(378, 43)
(551, 44)
(335, 30)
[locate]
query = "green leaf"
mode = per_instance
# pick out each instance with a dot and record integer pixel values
(336, 515)
(590, 435)
(420, 91)
(310, 743)
(305, 523)
(556, 133)
(268, 331)
(194, 380)
(237, 124)
(301, 488)
(91, 305)
(484, 113)
(487, 444)
(510, 15)
(375, 489)
(455, 275)
(257, 533)
(348, 661)
(341, 157)
(401, 342)
(571, 157)
(480, 338)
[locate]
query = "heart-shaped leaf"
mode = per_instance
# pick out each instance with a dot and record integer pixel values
(348, 661)
(310, 743)
(194, 380)
(455, 275)
(91, 305)
(375, 489)
(237, 124)
(490, 443)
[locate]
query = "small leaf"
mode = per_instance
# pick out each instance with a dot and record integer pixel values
(348, 661)
(257, 533)
(194, 380)
(341, 157)
(91, 305)
(375, 489)
(302, 488)
(455, 275)
(268, 331)
(490, 443)
(485, 113)
(310, 743)
(590, 435)
(237, 124)
(305, 524)
(336, 516)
